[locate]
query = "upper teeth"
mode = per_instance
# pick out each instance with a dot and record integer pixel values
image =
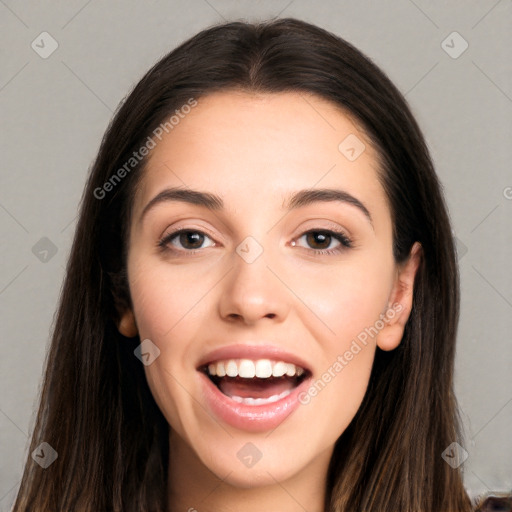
(247, 369)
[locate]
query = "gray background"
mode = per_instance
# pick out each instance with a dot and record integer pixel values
(55, 110)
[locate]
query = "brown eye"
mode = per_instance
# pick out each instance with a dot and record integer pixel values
(318, 240)
(191, 239)
(186, 240)
(325, 241)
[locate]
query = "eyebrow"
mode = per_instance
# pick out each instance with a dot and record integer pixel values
(185, 195)
(215, 203)
(308, 196)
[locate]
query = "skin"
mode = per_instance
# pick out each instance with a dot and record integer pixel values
(254, 151)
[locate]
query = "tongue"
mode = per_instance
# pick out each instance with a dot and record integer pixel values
(255, 388)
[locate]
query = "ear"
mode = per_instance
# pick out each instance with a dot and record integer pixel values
(401, 299)
(126, 325)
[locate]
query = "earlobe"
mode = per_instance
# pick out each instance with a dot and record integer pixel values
(401, 297)
(390, 337)
(127, 326)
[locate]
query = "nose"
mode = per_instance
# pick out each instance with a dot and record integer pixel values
(252, 293)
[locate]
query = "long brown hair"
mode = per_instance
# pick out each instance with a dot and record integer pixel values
(96, 409)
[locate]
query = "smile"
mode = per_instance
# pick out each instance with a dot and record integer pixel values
(255, 382)
(253, 394)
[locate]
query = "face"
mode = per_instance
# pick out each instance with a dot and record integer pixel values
(263, 297)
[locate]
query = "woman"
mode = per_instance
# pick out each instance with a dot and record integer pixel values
(261, 301)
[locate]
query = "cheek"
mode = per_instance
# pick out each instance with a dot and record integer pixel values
(349, 303)
(349, 298)
(167, 309)
(163, 296)
(170, 303)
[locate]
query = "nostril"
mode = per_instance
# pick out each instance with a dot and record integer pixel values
(236, 316)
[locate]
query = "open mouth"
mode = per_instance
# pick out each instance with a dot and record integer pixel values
(255, 382)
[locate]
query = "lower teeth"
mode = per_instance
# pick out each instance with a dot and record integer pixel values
(260, 401)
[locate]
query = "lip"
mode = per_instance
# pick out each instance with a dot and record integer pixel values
(251, 418)
(240, 351)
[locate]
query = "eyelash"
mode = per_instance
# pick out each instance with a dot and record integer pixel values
(345, 242)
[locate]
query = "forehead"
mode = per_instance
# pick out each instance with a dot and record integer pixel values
(242, 146)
